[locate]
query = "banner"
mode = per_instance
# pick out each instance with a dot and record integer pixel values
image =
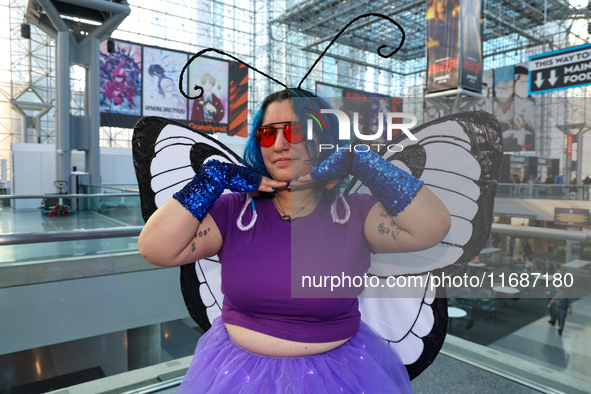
(571, 217)
(514, 108)
(120, 80)
(486, 104)
(212, 75)
(162, 70)
(471, 48)
(443, 45)
(238, 113)
(141, 81)
(368, 106)
(454, 45)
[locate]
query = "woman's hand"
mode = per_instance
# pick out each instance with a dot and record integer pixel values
(171, 236)
(307, 179)
(269, 185)
(409, 216)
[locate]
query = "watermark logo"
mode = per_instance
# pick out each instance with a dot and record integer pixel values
(345, 128)
(316, 117)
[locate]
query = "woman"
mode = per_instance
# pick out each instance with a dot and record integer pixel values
(267, 341)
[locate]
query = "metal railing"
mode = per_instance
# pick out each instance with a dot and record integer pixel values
(544, 191)
(72, 235)
(539, 232)
(98, 195)
(133, 231)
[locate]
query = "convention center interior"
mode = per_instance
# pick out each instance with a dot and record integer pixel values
(83, 83)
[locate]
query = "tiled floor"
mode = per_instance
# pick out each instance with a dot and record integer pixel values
(540, 343)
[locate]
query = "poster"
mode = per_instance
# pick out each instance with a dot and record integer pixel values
(486, 104)
(514, 108)
(332, 94)
(443, 45)
(161, 95)
(121, 79)
(503, 95)
(471, 48)
(454, 45)
(212, 76)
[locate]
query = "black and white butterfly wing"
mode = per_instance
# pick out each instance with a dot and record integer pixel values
(414, 326)
(166, 156)
(458, 157)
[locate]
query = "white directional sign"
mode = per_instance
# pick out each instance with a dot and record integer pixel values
(563, 69)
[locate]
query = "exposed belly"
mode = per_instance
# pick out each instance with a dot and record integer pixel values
(267, 345)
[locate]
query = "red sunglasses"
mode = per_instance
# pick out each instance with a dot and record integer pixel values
(266, 135)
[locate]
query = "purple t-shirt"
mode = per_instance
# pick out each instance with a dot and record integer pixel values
(257, 268)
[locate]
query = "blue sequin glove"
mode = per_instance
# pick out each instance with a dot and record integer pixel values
(208, 185)
(393, 187)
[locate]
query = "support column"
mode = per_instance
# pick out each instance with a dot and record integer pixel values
(62, 106)
(93, 111)
(143, 347)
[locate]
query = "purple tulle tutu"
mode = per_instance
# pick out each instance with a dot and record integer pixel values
(364, 364)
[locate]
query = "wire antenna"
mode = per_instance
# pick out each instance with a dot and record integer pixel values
(379, 51)
(200, 88)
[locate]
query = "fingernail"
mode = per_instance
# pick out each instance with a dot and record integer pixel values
(297, 177)
(273, 188)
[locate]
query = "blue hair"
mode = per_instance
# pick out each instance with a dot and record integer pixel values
(504, 73)
(301, 102)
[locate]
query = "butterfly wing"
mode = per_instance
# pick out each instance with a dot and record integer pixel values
(414, 326)
(166, 156)
(458, 157)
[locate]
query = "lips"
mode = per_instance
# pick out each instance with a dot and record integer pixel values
(282, 161)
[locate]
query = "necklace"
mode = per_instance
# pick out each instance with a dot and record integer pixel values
(284, 216)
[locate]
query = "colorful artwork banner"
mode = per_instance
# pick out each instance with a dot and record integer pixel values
(161, 95)
(454, 45)
(137, 81)
(121, 79)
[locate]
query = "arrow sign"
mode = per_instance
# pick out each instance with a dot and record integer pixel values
(539, 80)
(553, 78)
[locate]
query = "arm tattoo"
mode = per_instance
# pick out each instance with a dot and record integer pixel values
(203, 233)
(382, 229)
(199, 234)
(395, 233)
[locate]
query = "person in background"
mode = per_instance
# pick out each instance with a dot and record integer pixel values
(526, 249)
(586, 185)
(558, 306)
